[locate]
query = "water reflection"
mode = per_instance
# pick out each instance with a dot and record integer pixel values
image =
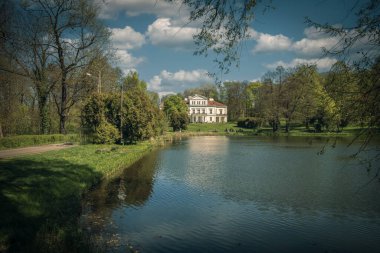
(132, 188)
(224, 194)
(281, 172)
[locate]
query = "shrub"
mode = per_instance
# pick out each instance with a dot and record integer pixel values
(250, 122)
(106, 133)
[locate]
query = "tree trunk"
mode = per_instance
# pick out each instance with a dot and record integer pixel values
(1, 131)
(44, 115)
(287, 126)
(63, 109)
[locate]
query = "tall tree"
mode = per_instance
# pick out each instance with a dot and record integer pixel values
(74, 33)
(359, 46)
(28, 44)
(207, 90)
(236, 99)
(300, 94)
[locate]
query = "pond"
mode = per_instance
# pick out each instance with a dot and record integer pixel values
(235, 194)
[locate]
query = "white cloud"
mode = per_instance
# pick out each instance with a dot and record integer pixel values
(164, 32)
(160, 8)
(310, 46)
(126, 38)
(269, 43)
(322, 64)
(314, 42)
(127, 62)
(313, 47)
(178, 81)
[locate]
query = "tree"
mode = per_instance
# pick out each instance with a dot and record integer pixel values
(207, 90)
(300, 94)
(73, 33)
(236, 99)
(176, 111)
(341, 85)
(140, 118)
(27, 43)
(359, 47)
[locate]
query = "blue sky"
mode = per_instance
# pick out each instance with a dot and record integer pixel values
(154, 38)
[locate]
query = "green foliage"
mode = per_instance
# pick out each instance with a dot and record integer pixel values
(93, 112)
(250, 122)
(106, 133)
(176, 110)
(138, 116)
(207, 90)
(141, 117)
(132, 81)
(32, 140)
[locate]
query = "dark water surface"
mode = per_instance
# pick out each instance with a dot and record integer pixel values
(233, 194)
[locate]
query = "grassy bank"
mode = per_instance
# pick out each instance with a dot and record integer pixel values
(41, 195)
(34, 140)
(231, 128)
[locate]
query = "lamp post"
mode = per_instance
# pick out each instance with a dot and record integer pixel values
(99, 80)
(121, 114)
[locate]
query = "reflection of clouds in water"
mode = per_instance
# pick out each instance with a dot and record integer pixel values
(205, 160)
(208, 145)
(226, 194)
(284, 172)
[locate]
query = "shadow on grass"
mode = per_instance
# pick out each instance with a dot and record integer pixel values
(41, 203)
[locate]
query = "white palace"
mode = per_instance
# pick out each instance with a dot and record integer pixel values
(206, 110)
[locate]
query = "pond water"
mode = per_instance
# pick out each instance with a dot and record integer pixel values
(234, 194)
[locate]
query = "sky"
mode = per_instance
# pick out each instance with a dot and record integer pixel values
(154, 38)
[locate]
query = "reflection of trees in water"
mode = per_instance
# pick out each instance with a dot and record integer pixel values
(136, 184)
(132, 187)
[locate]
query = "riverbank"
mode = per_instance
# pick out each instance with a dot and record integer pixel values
(231, 128)
(41, 195)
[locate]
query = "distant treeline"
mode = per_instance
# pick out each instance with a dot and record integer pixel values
(303, 96)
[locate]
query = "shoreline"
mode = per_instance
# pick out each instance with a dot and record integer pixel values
(60, 179)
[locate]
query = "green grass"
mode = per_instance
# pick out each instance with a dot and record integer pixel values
(40, 195)
(233, 129)
(212, 127)
(19, 141)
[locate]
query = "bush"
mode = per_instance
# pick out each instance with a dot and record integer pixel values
(106, 133)
(250, 122)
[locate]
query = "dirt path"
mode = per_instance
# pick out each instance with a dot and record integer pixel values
(9, 153)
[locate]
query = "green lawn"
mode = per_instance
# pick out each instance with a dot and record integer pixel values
(19, 141)
(212, 127)
(40, 195)
(231, 128)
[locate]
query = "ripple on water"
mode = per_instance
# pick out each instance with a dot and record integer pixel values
(223, 194)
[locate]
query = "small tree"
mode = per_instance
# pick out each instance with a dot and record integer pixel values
(176, 111)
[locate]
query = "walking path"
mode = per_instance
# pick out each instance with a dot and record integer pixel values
(9, 153)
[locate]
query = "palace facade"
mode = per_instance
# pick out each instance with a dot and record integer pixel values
(206, 110)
